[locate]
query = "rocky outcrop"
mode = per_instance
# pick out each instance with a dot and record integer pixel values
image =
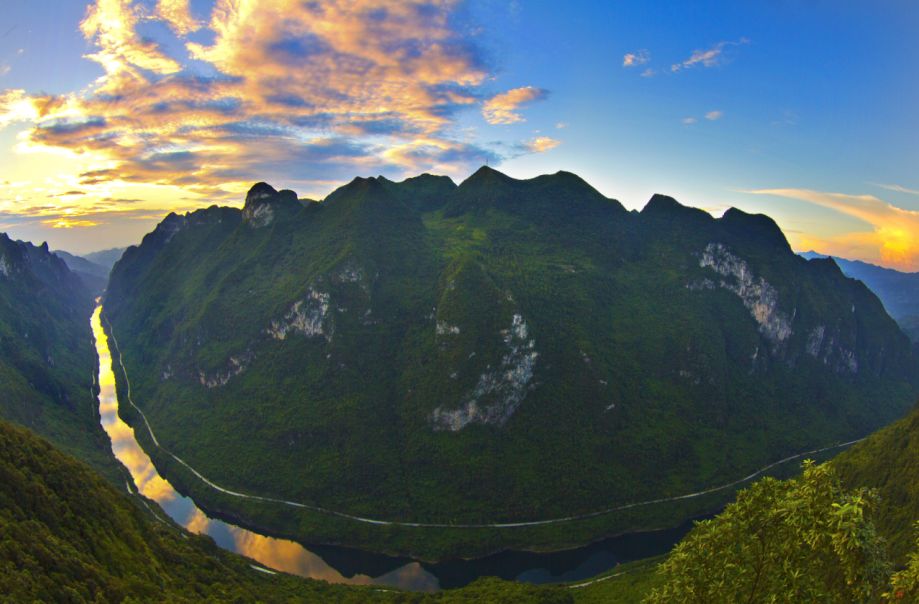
(499, 391)
(307, 317)
(259, 209)
(760, 298)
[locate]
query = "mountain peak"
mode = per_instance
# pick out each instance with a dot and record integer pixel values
(259, 192)
(757, 227)
(486, 176)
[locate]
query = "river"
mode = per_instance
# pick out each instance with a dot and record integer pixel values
(344, 565)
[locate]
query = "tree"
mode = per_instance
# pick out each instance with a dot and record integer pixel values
(800, 540)
(904, 585)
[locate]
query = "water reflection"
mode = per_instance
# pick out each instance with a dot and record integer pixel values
(277, 554)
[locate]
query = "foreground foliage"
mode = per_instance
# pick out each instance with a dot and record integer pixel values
(802, 540)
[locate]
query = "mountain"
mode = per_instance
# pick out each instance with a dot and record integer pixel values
(496, 352)
(68, 536)
(94, 276)
(47, 360)
(898, 291)
(105, 258)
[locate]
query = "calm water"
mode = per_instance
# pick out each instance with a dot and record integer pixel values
(342, 565)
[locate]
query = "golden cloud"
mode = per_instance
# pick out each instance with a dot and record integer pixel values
(541, 144)
(501, 108)
(177, 14)
(894, 240)
(286, 87)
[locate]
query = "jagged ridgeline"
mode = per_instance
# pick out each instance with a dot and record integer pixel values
(500, 351)
(47, 360)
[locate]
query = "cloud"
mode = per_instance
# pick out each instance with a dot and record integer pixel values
(689, 120)
(541, 144)
(648, 73)
(714, 115)
(111, 26)
(501, 108)
(898, 189)
(710, 57)
(4, 69)
(177, 14)
(288, 90)
(893, 240)
(634, 59)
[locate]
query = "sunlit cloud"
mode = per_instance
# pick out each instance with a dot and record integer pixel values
(710, 57)
(893, 240)
(714, 115)
(285, 91)
(634, 59)
(502, 108)
(4, 69)
(689, 120)
(541, 144)
(111, 26)
(648, 73)
(177, 13)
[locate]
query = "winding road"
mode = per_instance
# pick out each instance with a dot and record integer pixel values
(495, 525)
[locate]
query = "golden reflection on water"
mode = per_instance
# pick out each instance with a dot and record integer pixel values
(279, 554)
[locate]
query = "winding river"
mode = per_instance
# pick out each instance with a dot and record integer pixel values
(343, 565)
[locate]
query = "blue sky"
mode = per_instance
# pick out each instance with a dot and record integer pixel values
(806, 111)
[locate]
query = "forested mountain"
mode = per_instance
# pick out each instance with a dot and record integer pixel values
(898, 291)
(500, 351)
(47, 360)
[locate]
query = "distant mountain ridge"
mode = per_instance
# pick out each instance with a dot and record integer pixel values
(898, 291)
(497, 351)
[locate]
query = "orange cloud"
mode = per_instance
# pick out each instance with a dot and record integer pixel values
(501, 108)
(894, 240)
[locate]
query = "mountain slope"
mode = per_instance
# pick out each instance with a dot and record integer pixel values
(898, 291)
(66, 535)
(889, 462)
(500, 351)
(47, 360)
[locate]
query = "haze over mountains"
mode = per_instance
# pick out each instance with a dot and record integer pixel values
(495, 352)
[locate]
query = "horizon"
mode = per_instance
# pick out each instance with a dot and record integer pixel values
(127, 110)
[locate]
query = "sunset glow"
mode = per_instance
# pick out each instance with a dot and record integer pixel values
(141, 107)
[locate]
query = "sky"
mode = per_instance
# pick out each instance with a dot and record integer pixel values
(116, 112)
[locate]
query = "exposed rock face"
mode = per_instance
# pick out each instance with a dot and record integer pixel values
(258, 211)
(307, 317)
(443, 328)
(822, 346)
(4, 266)
(235, 365)
(760, 298)
(499, 391)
